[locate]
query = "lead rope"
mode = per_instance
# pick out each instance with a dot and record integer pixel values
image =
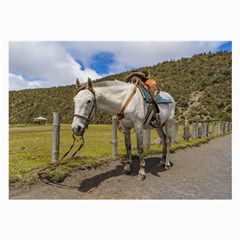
(53, 166)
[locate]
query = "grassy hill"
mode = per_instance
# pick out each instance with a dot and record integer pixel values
(201, 86)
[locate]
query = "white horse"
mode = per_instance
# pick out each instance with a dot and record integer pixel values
(111, 96)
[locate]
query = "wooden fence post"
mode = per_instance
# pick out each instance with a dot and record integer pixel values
(175, 132)
(219, 129)
(56, 137)
(199, 130)
(114, 136)
(224, 128)
(194, 130)
(204, 132)
(146, 138)
(207, 130)
(186, 133)
(228, 127)
(213, 129)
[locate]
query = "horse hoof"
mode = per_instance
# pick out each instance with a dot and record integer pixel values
(126, 172)
(167, 167)
(141, 177)
(161, 165)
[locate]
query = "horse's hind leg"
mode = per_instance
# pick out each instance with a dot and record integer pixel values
(139, 133)
(162, 135)
(127, 138)
(168, 127)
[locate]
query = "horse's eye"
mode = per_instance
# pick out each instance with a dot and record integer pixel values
(89, 101)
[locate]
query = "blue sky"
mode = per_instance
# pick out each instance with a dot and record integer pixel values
(47, 64)
(102, 61)
(227, 46)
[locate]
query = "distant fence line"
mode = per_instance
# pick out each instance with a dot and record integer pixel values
(198, 130)
(202, 130)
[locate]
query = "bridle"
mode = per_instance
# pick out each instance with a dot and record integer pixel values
(94, 106)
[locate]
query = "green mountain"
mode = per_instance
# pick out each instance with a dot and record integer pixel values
(201, 86)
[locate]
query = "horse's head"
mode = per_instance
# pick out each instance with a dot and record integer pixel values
(85, 107)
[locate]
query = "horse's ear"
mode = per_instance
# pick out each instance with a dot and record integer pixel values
(90, 83)
(78, 84)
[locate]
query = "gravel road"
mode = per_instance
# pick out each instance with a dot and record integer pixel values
(203, 172)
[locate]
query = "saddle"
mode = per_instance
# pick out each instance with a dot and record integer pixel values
(148, 87)
(151, 94)
(151, 87)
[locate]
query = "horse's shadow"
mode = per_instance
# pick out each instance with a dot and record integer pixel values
(152, 166)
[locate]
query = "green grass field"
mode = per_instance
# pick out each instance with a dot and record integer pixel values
(30, 150)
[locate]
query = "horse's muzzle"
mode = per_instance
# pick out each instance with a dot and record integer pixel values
(78, 130)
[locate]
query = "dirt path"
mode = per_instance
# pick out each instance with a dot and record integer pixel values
(203, 172)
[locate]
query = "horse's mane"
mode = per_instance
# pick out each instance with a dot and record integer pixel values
(110, 83)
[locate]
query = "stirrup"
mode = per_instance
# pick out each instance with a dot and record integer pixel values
(156, 122)
(158, 118)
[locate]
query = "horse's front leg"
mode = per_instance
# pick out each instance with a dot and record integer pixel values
(139, 133)
(128, 145)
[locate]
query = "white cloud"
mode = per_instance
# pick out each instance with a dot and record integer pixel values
(17, 82)
(54, 62)
(138, 54)
(44, 60)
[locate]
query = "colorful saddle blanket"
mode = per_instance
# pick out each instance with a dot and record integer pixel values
(148, 98)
